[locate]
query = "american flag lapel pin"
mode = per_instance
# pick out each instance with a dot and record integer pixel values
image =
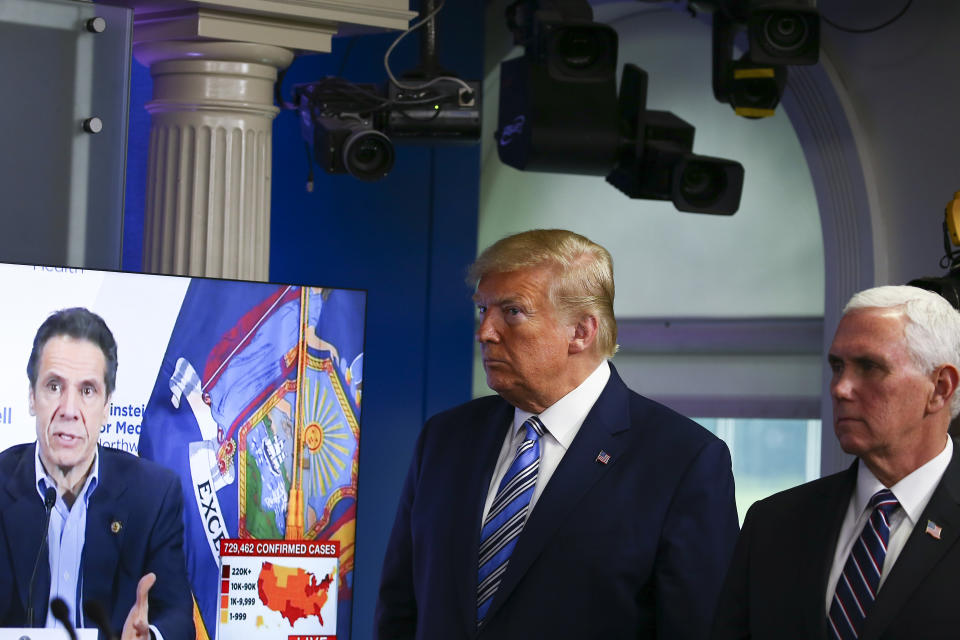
(603, 457)
(934, 530)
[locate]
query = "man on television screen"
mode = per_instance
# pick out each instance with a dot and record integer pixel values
(566, 506)
(97, 528)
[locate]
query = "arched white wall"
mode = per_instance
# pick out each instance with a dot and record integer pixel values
(765, 261)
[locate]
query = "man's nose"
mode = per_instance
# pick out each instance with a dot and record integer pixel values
(486, 331)
(841, 386)
(70, 404)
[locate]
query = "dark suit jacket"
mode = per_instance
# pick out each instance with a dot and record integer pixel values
(778, 579)
(144, 498)
(636, 548)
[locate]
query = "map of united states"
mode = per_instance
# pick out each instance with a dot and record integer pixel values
(293, 592)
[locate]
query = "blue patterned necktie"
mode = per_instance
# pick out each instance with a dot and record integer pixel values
(507, 515)
(858, 584)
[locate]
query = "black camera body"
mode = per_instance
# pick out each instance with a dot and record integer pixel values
(560, 112)
(754, 90)
(348, 143)
(444, 112)
(351, 127)
(558, 102)
(344, 131)
(779, 33)
(659, 163)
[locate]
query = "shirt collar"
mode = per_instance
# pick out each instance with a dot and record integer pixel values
(913, 491)
(44, 480)
(564, 417)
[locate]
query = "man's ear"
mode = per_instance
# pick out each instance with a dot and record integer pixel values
(945, 381)
(33, 410)
(584, 334)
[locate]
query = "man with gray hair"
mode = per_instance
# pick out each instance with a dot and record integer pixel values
(870, 552)
(566, 506)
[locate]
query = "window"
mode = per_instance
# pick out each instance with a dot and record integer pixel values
(769, 455)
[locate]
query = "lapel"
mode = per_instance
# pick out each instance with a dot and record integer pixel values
(817, 548)
(921, 553)
(577, 472)
(23, 521)
(475, 472)
(101, 548)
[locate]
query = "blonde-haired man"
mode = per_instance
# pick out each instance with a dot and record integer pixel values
(566, 506)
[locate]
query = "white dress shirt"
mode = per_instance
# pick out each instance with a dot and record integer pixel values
(562, 421)
(913, 492)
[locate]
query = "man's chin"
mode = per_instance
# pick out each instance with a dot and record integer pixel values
(68, 459)
(850, 443)
(501, 386)
(497, 385)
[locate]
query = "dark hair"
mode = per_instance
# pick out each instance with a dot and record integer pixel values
(80, 324)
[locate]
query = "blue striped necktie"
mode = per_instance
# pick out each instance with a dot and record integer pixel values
(507, 515)
(860, 580)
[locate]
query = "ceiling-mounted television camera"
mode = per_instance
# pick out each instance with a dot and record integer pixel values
(352, 127)
(560, 112)
(779, 33)
(659, 163)
(343, 127)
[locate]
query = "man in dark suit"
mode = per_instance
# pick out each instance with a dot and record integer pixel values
(567, 506)
(870, 552)
(115, 535)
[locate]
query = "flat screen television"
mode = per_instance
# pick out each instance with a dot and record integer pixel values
(251, 392)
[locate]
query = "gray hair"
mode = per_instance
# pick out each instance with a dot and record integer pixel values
(931, 330)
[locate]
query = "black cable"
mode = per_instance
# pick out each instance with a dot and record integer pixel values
(869, 29)
(346, 55)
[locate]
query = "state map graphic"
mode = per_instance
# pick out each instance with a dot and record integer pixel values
(293, 592)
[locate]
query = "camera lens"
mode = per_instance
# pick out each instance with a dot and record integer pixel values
(758, 93)
(368, 155)
(579, 48)
(785, 32)
(702, 183)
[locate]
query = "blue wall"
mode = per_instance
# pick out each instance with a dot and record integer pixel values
(406, 240)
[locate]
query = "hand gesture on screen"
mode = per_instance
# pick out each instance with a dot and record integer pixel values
(136, 626)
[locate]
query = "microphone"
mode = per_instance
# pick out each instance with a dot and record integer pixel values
(49, 499)
(93, 611)
(60, 611)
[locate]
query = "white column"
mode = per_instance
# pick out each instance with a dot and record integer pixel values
(207, 207)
